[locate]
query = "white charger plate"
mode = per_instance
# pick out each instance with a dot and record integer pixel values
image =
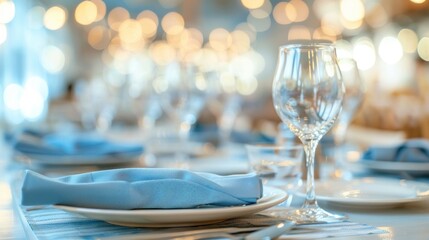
(370, 192)
(179, 217)
(415, 168)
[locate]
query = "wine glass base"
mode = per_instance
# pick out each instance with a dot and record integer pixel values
(310, 215)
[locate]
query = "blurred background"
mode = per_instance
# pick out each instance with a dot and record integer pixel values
(101, 63)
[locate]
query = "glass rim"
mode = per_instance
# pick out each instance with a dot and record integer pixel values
(307, 44)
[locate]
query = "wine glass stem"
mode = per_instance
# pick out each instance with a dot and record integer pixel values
(182, 154)
(310, 151)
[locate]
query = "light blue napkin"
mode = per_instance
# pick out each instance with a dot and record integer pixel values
(70, 144)
(136, 188)
(413, 150)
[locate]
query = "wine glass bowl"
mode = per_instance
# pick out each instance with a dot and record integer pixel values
(307, 92)
(353, 98)
(307, 95)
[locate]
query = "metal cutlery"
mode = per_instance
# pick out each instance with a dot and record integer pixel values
(258, 233)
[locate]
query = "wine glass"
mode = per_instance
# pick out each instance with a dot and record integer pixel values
(307, 96)
(97, 103)
(353, 98)
(225, 106)
(182, 96)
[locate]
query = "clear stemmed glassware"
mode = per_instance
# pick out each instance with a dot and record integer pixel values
(182, 96)
(353, 98)
(307, 95)
(97, 102)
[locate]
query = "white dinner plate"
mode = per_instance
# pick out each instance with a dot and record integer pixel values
(415, 168)
(370, 192)
(77, 160)
(179, 217)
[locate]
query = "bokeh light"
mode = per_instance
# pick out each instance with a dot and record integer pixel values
(26, 102)
(351, 25)
(32, 104)
(279, 13)
(297, 10)
(344, 49)
(408, 39)
(86, 13)
(53, 59)
(12, 95)
(162, 53)
(378, 17)
(55, 18)
(173, 23)
(390, 50)
(7, 11)
(418, 1)
(116, 17)
(248, 29)
(101, 9)
(99, 37)
(206, 59)
(252, 4)
(331, 25)
(423, 49)
(240, 41)
(130, 31)
(220, 39)
(323, 8)
(149, 22)
(352, 10)
(247, 86)
(259, 13)
(364, 53)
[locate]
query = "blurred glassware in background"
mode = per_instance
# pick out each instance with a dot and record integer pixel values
(97, 99)
(334, 149)
(183, 93)
(225, 107)
(354, 94)
(277, 165)
(231, 107)
(145, 101)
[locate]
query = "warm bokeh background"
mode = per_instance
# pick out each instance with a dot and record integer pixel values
(46, 47)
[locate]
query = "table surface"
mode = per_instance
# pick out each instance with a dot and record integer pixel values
(401, 223)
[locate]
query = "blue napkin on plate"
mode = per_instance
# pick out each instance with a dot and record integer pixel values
(70, 144)
(413, 150)
(137, 188)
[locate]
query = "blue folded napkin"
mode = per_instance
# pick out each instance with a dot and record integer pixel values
(413, 150)
(70, 144)
(137, 188)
